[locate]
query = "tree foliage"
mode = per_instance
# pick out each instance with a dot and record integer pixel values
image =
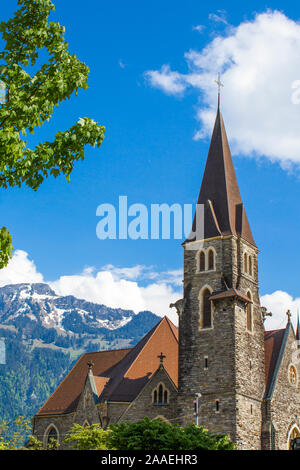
(32, 92)
(156, 434)
(12, 440)
(87, 437)
(146, 434)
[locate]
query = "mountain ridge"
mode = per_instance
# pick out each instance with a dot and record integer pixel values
(44, 334)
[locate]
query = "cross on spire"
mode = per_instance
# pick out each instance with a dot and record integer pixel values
(220, 84)
(289, 316)
(161, 357)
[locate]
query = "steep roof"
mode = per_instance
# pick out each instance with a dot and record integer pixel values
(275, 345)
(273, 341)
(65, 398)
(119, 375)
(224, 212)
(130, 375)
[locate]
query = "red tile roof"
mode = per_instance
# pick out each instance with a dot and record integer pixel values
(119, 375)
(65, 398)
(230, 293)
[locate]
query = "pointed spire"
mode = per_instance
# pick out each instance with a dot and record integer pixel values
(224, 212)
(298, 327)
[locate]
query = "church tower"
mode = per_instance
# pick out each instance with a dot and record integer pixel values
(221, 332)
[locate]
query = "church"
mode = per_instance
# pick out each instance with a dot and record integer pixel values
(219, 368)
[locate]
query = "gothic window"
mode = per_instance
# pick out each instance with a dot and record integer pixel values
(206, 320)
(250, 266)
(51, 436)
(217, 406)
(211, 259)
(202, 261)
(249, 314)
(295, 433)
(245, 263)
(160, 395)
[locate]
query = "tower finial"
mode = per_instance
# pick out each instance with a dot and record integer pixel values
(90, 365)
(288, 313)
(220, 84)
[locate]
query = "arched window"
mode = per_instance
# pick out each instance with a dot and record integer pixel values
(245, 263)
(51, 438)
(206, 309)
(202, 261)
(160, 395)
(294, 434)
(250, 265)
(211, 259)
(249, 314)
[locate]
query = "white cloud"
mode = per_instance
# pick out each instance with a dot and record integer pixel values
(124, 288)
(172, 83)
(132, 273)
(135, 288)
(199, 28)
(219, 17)
(20, 270)
(278, 303)
(260, 62)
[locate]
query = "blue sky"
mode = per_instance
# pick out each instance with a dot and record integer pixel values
(150, 152)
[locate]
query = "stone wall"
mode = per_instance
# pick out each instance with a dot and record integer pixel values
(235, 373)
(143, 405)
(41, 426)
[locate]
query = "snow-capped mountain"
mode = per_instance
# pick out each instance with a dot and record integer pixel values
(39, 303)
